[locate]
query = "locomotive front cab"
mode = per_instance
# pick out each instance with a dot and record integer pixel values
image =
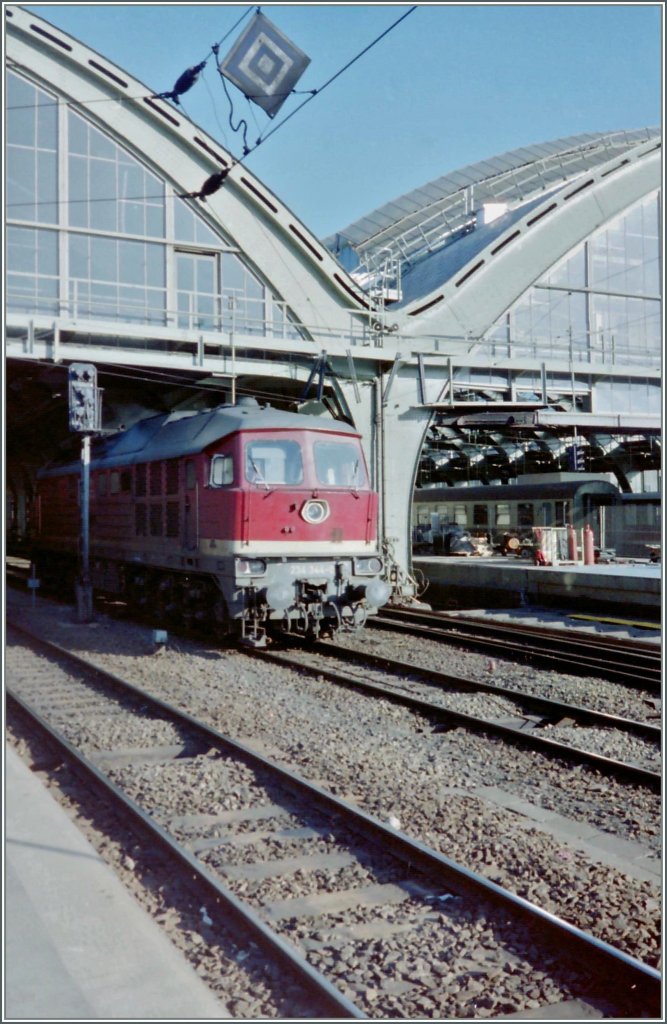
(305, 530)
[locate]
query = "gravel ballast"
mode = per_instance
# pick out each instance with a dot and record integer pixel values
(393, 765)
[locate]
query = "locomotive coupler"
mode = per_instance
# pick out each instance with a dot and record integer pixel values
(252, 634)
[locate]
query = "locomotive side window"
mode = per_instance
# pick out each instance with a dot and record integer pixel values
(140, 520)
(222, 471)
(171, 476)
(155, 520)
(273, 462)
(172, 519)
(338, 464)
(155, 478)
(114, 483)
(140, 480)
(190, 475)
(101, 485)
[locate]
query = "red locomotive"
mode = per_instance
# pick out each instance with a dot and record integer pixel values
(239, 517)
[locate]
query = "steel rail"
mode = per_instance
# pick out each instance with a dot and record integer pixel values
(548, 705)
(574, 636)
(327, 995)
(642, 676)
(639, 981)
(552, 748)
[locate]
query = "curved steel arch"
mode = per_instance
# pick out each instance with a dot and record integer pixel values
(419, 221)
(281, 247)
(497, 275)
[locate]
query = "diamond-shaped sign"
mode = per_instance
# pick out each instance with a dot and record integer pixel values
(264, 64)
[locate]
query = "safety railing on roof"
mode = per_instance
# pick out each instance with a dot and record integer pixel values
(431, 226)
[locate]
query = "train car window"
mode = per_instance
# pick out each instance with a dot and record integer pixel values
(338, 464)
(101, 485)
(525, 515)
(222, 471)
(561, 513)
(140, 480)
(547, 514)
(114, 483)
(502, 514)
(461, 515)
(190, 475)
(445, 513)
(273, 462)
(480, 515)
(171, 476)
(155, 478)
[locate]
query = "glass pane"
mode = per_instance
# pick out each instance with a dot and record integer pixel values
(101, 145)
(185, 272)
(205, 276)
(21, 124)
(21, 250)
(47, 253)
(78, 256)
(156, 273)
(273, 462)
(222, 470)
(47, 123)
(21, 182)
(78, 134)
(338, 464)
(131, 262)
(103, 259)
(47, 190)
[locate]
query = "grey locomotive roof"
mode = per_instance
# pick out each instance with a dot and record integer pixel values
(177, 434)
(514, 492)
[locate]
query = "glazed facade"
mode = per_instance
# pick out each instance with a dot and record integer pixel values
(92, 233)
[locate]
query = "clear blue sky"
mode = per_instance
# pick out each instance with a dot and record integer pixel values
(452, 84)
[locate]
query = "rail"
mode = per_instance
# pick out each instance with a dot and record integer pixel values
(633, 980)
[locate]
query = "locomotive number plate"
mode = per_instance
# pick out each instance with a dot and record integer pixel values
(312, 569)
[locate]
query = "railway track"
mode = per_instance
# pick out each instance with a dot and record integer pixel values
(340, 898)
(434, 694)
(632, 663)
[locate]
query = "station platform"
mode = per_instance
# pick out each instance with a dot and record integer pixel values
(506, 582)
(77, 946)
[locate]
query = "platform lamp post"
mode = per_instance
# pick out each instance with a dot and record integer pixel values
(85, 416)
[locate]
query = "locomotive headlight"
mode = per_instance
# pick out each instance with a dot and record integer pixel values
(250, 567)
(315, 512)
(367, 566)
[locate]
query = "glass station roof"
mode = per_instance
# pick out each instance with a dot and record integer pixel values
(423, 220)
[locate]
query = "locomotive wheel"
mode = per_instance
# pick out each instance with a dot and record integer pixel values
(222, 624)
(165, 602)
(137, 591)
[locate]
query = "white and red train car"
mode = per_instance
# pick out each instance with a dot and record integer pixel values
(242, 517)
